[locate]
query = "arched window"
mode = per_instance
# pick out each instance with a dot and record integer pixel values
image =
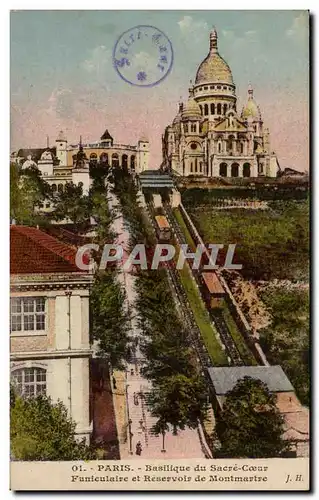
(54, 188)
(201, 109)
(124, 162)
(201, 166)
(191, 166)
(225, 109)
(60, 188)
(115, 160)
(206, 109)
(212, 109)
(223, 169)
(219, 147)
(219, 108)
(193, 127)
(235, 170)
(104, 158)
(241, 148)
(29, 381)
(246, 170)
(196, 165)
(132, 163)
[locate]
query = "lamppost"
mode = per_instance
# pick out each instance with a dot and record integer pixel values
(163, 443)
(130, 435)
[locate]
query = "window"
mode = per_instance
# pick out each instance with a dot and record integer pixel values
(212, 109)
(194, 145)
(193, 127)
(30, 381)
(132, 163)
(205, 88)
(191, 166)
(27, 314)
(219, 108)
(205, 109)
(185, 128)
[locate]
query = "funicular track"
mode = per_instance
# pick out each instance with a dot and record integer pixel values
(216, 316)
(193, 331)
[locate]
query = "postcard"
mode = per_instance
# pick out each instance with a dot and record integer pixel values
(159, 258)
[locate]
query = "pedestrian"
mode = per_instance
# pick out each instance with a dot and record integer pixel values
(114, 383)
(138, 448)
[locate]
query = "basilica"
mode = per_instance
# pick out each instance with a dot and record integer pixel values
(208, 137)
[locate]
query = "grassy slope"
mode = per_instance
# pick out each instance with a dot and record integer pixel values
(270, 244)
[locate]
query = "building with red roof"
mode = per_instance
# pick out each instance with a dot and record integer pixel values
(50, 347)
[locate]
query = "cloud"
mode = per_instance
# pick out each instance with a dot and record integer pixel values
(188, 25)
(98, 60)
(299, 27)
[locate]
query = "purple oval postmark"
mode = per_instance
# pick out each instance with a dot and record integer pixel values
(143, 56)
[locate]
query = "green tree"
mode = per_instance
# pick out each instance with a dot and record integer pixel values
(27, 192)
(71, 204)
(110, 320)
(250, 424)
(178, 401)
(41, 430)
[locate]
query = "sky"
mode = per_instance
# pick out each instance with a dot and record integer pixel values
(62, 75)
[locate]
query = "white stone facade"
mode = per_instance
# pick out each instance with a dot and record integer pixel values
(208, 137)
(62, 348)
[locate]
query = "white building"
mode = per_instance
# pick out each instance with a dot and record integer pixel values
(208, 137)
(70, 162)
(49, 336)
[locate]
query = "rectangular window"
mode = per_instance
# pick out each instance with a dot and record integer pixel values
(27, 314)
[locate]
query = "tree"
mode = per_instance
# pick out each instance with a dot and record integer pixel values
(27, 192)
(71, 204)
(110, 320)
(178, 401)
(41, 430)
(250, 424)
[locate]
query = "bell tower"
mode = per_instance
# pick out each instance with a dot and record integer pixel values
(61, 149)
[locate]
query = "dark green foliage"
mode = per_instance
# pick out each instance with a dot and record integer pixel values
(27, 192)
(286, 340)
(71, 204)
(41, 430)
(110, 320)
(198, 196)
(250, 425)
(179, 401)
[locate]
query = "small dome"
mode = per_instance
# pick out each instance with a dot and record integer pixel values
(191, 109)
(47, 156)
(214, 69)
(251, 109)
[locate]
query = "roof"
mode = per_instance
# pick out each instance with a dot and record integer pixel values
(106, 135)
(32, 251)
(162, 221)
(155, 178)
(212, 282)
(225, 378)
(214, 68)
(35, 153)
